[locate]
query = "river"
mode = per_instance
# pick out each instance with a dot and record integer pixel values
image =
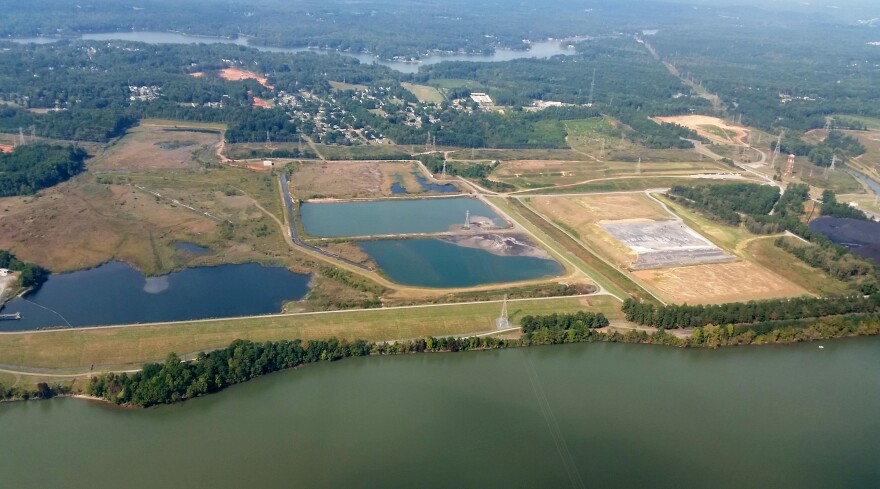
(115, 293)
(588, 415)
(539, 49)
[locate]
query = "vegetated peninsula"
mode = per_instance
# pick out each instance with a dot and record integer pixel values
(678, 203)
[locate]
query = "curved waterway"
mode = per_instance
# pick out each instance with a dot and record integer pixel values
(588, 415)
(541, 49)
(116, 293)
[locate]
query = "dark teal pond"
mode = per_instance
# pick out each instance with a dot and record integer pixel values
(383, 217)
(437, 263)
(116, 293)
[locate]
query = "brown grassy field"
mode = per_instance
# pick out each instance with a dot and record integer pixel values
(351, 179)
(718, 283)
(101, 215)
(580, 216)
(80, 224)
(542, 173)
(768, 255)
(131, 346)
(149, 147)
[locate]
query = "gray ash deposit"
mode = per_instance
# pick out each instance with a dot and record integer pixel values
(862, 237)
(500, 244)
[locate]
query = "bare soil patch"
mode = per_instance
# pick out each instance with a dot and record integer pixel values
(235, 74)
(699, 123)
(718, 283)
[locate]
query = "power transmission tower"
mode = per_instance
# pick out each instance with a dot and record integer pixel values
(443, 173)
(428, 143)
(20, 136)
(776, 149)
(592, 86)
(503, 321)
(639, 166)
(467, 219)
(833, 161)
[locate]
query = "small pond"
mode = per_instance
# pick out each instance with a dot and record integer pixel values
(116, 293)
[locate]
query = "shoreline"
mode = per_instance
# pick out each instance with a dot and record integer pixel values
(613, 336)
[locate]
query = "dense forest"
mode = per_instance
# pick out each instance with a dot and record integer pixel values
(727, 202)
(386, 28)
(32, 167)
(779, 71)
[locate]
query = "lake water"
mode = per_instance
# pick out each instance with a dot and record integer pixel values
(437, 263)
(116, 293)
(383, 217)
(191, 248)
(444, 188)
(542, 49)
(603, 415)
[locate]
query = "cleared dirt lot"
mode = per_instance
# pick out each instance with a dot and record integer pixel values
(235, 74)
(718, 283)
(713, 128)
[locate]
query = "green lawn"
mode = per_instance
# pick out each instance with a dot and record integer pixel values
(129, 347)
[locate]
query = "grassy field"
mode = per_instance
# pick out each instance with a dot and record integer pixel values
(768, 255)
(752, 277)
(602, 273)
(150, 146)
(128, 347)
(109, 212)
(580, 216)
(352, 179)
(363, 151)
(626, 184)
(424, 93)
(529, 174)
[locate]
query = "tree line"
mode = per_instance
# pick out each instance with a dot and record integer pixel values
(726, 202)
(32, 275)
(174, 380)
(684, 316)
